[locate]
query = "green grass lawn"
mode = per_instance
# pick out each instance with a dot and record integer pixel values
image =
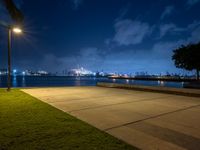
(28, 123)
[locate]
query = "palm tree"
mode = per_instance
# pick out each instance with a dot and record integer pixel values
(14, 12)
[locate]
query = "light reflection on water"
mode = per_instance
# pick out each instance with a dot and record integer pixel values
(39, 81)
(161, 83)
(14, 81)
(78, 81)
(23, 81)
(149, 83)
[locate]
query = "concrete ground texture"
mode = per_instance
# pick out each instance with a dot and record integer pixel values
(143, 119)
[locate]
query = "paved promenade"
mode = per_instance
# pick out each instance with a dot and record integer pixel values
(144, 119)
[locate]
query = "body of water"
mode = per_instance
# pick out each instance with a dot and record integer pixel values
(52, 81)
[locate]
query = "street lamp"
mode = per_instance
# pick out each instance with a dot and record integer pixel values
(16, 30)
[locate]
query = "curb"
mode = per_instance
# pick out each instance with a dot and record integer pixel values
(167, 90)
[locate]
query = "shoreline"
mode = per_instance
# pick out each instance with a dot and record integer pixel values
(167, 90)
(154, 79)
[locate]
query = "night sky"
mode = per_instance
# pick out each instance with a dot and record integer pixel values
(121, 36)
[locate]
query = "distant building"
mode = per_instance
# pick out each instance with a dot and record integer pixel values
(42, 72)
(28, 72)
(35, 73)
(80, 72)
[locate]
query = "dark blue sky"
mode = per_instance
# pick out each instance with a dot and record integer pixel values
(111, 35)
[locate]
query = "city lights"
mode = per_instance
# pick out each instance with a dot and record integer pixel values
(14, 71)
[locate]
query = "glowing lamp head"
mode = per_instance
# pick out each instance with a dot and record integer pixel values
(17, 30)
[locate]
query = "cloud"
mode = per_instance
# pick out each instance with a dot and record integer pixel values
(195, 36)
(90, 57)
(192, 2)
(163, 50)
(165, 28)
(141, 60)
(129, 32)
(123, 12)
(193, 25)
(171, 28)
(190, 34)
(76, 3)
(168, 10)
(153, 58)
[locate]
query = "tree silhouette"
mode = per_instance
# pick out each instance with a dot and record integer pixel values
(188, 57)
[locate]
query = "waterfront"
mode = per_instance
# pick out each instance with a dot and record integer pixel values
(53, 81)
(146, 120)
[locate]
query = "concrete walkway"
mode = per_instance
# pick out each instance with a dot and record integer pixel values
(144, 119)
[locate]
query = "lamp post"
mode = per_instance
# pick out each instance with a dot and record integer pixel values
(16, 30)
(10, 29)
(9, 59)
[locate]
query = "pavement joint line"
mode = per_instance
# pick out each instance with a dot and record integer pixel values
(79, 99)
(183, 140)
(160, 115)
(141, 100)
(137, 92)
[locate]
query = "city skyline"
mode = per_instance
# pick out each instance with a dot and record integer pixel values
(114, 36)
